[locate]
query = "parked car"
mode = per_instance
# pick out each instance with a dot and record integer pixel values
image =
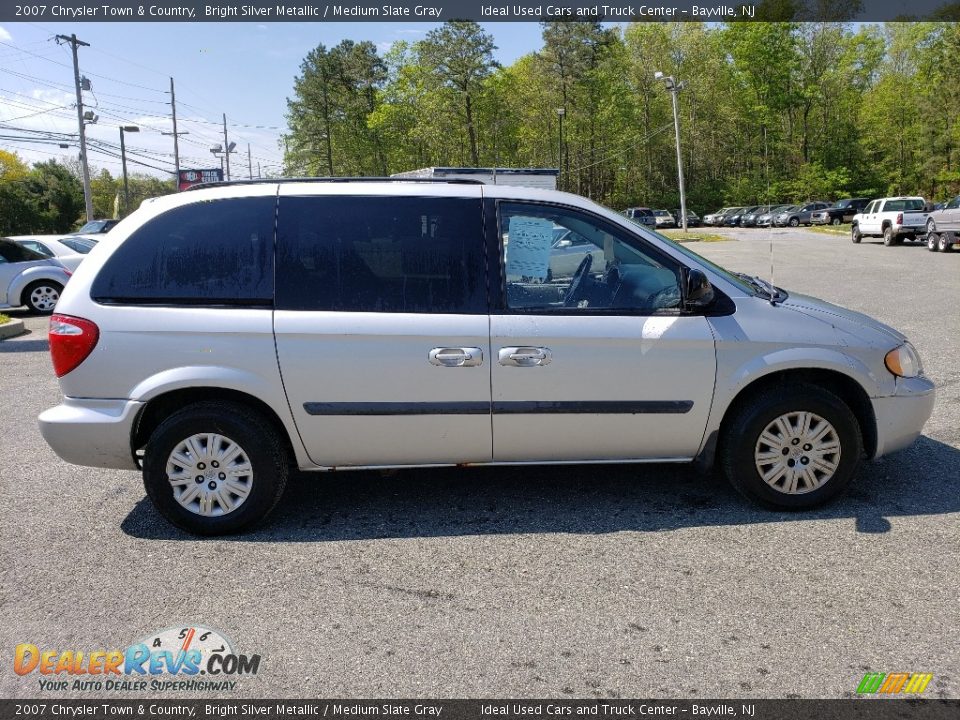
(802, 216)
(96, 227)
(766, 219)
(29, 279)
(716, 217)
(641, 216)
(568, 251)
(943, 227)
(169, 347)
(693, 220)
(842, 211)
(68, 250)
(894, 219)
(664, 219)
(750, 217)
(732, 218)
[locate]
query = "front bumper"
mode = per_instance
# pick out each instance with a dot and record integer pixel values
(901, 417)
(90, 432)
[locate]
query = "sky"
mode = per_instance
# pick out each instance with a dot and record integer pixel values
(245, 70)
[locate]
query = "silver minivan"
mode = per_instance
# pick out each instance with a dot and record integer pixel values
(216, 337)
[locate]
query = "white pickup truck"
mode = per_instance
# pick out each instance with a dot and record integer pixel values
(895, 219)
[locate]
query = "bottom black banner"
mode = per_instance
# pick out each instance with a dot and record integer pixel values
(873, 709)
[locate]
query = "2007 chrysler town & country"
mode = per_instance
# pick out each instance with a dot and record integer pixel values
(219, 335)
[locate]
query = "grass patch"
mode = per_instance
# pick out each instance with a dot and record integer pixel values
(695, 235)
(831, 229)
(4, 318)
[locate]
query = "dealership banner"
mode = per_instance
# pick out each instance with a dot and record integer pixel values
(485, 709)
(480, 10)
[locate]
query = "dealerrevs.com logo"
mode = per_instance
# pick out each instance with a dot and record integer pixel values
(176, 659)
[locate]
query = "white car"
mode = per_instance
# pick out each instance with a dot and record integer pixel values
(29, 279)
(69, 250)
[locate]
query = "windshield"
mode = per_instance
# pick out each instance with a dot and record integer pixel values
(661, 213)
(94, 226)
(80, 246)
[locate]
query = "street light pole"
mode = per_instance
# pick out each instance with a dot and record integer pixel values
(561, 111)
(123, 162)
(674, 87)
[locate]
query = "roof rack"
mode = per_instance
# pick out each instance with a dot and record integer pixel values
(446, 181)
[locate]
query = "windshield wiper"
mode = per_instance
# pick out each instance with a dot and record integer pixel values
(771, 292)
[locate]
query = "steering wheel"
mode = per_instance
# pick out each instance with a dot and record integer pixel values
(571, 299)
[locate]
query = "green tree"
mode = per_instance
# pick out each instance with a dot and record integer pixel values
(460, 54)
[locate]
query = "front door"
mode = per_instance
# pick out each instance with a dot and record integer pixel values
(597, 362)
(381, 326)
(868, 221)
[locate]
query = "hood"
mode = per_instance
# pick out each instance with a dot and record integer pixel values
(848, 321)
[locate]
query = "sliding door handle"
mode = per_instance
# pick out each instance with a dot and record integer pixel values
(456, 356)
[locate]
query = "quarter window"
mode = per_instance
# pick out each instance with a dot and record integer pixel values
(217, 252)
(558, 259)
(381, 254)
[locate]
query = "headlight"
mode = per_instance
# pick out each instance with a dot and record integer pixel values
(904, 361)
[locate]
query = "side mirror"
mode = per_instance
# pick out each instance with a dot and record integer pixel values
(564, 243)
(697, 290)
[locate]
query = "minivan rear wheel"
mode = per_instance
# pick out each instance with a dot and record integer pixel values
(215, 468)
(792, 448)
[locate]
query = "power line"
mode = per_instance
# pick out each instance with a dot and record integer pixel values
(39, 112)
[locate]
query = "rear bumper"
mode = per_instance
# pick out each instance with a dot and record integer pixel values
(901, 417)
(92, 432)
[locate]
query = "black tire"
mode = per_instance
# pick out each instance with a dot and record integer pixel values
(946, 242)
(260, 443)
(855, 235)
(932, 241)
(41, 296)
(888, 237)
(794, 222)
(741, 440)
(836, 221)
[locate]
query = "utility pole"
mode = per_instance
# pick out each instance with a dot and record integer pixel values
(176, 135)
(249, 163)
(258, 170)
(226, 145)
(87, 195)
(674, 87)
(123, 161)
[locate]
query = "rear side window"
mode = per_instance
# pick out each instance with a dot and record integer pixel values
(217, 252)
(14, 252)
(381, 254)
(911, 204)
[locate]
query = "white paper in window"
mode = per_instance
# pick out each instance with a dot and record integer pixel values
(528, 247)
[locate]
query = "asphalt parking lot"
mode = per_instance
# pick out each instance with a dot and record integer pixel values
(585, 581)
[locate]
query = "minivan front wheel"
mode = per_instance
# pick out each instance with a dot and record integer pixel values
(214, 468)
(792, 448)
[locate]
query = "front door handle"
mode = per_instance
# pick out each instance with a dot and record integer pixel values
(456, 356)
(525, 356)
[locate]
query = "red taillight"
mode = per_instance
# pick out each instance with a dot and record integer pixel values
(72, 339)
(899, 218)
